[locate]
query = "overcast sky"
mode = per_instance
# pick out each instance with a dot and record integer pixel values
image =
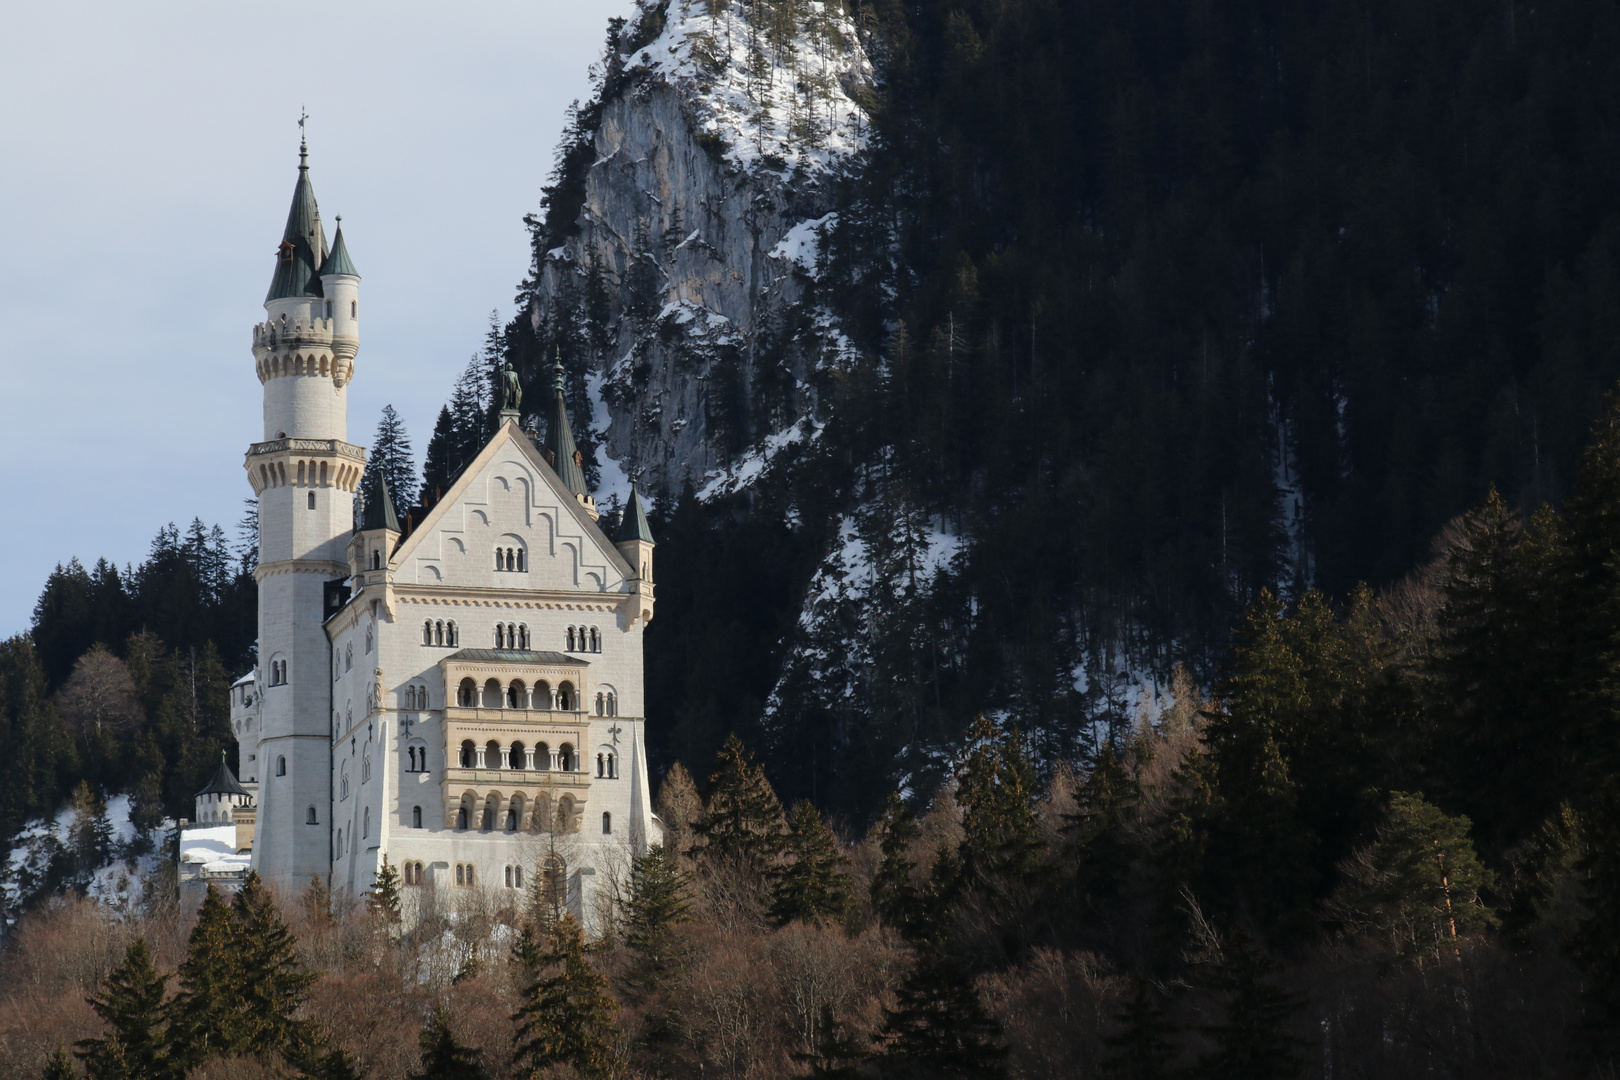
(149, 156)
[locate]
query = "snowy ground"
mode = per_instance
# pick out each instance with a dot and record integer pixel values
(28, 864)
(214, 846)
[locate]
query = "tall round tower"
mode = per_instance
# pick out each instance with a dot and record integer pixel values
(305, 474)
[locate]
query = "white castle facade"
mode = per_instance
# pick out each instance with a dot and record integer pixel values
(460, 692)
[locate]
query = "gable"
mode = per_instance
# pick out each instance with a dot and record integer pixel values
(509, 501)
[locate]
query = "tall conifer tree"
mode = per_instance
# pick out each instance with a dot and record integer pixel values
(743, 819)
(565, 1015)
(445, 1058)
(131, 1004)
(814, 884)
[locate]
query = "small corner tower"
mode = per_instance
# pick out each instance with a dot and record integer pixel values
(635, 542)
(560, 451)
(304, 474)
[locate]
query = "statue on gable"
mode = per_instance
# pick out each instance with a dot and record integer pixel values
(512, 389)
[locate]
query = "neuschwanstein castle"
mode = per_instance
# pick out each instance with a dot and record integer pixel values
(456, 688)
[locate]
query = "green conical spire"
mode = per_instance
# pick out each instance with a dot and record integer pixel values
(301, 247)
(379, 509)
(560, 449)
(633, 522)
(337, 260)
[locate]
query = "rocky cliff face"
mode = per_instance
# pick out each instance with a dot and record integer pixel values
(691, 265)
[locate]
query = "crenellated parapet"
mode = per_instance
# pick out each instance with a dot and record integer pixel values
(308, 463)
(296, 347)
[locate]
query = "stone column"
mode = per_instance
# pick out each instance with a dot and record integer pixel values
(479, 750)
(506, 757)
(528, 757)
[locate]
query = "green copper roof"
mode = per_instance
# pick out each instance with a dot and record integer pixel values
(302, 243)
(560, 448)
(633, 522)
(337, 260)
(379, 508)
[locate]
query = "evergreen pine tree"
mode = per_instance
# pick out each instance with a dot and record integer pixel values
(275, 982)
(893, 892)
(59, 1066)
(317, 900)
(390, 457)
(939, 1027)
(443, 1058)
(996, 789)
(814, 885)
(205, 1018)
(383, 899)
(1250, 1041)
(1139, 1047)
(439, 467)
(1107, 807)
(743, 819)
(565, 1016)
(131, 1004)
(1418, 884)
(658, 903)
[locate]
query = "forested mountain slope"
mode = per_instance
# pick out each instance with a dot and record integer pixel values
(993, 356)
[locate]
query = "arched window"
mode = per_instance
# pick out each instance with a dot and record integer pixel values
(365, 769)
(570, 647)
(515, 755)
(600, 704)
(500, 636)
(542, 756)
(460, 875)
(612, 704)
(469, 754)
(521, 569)
(508, 877)
(365, 827)
(310, 818)
(467, 694)
(281, 766)
(376, 559)
(596, 640)
(601, 763)
(566, 697)
(493, 695)
(492, 755)
(613, 768)
(438, 633)
(607, 823)
(416, 817)
(340, 844)
(343, 781)
(461, 818)
(565, 757)
(348, 657)
(523, 635)
(451, 636)
(427, 632)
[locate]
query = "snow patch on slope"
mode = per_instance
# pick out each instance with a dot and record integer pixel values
(775, 104)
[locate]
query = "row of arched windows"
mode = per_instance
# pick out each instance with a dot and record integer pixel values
(417, 759)
(465, 875)
(519, 758)
(440, 633)
(607, 704)
(416, 697)
(509, 558)
(492, 813)
(516, 695)
(415, 873)
(514, 877)
(511, 636)
(607, 768)
(583, 639)
(278, 673)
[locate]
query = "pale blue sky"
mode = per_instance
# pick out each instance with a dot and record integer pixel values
(149, 156)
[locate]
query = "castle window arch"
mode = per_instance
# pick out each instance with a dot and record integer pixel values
(451, 636)
(467, 694)
(416, 820)
(376, 558)
(427, 632)
(567, 697)
(348, 657)
(492, 755)
(596, 640)
(310, 817)
(542, 756)
(281, 766)
(570, 637)
(565, 758)
(517, 695)
(365, 824)
(518, 756)
(523, 635)
(469, 754)
(493, 695)
(607, 823)
(343, 781)
(312, 500)
(365, 769)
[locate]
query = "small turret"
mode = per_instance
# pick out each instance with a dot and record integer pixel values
(634, 540)
(340, 284)
(560, 451)
(221, 795)
(373, 543)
